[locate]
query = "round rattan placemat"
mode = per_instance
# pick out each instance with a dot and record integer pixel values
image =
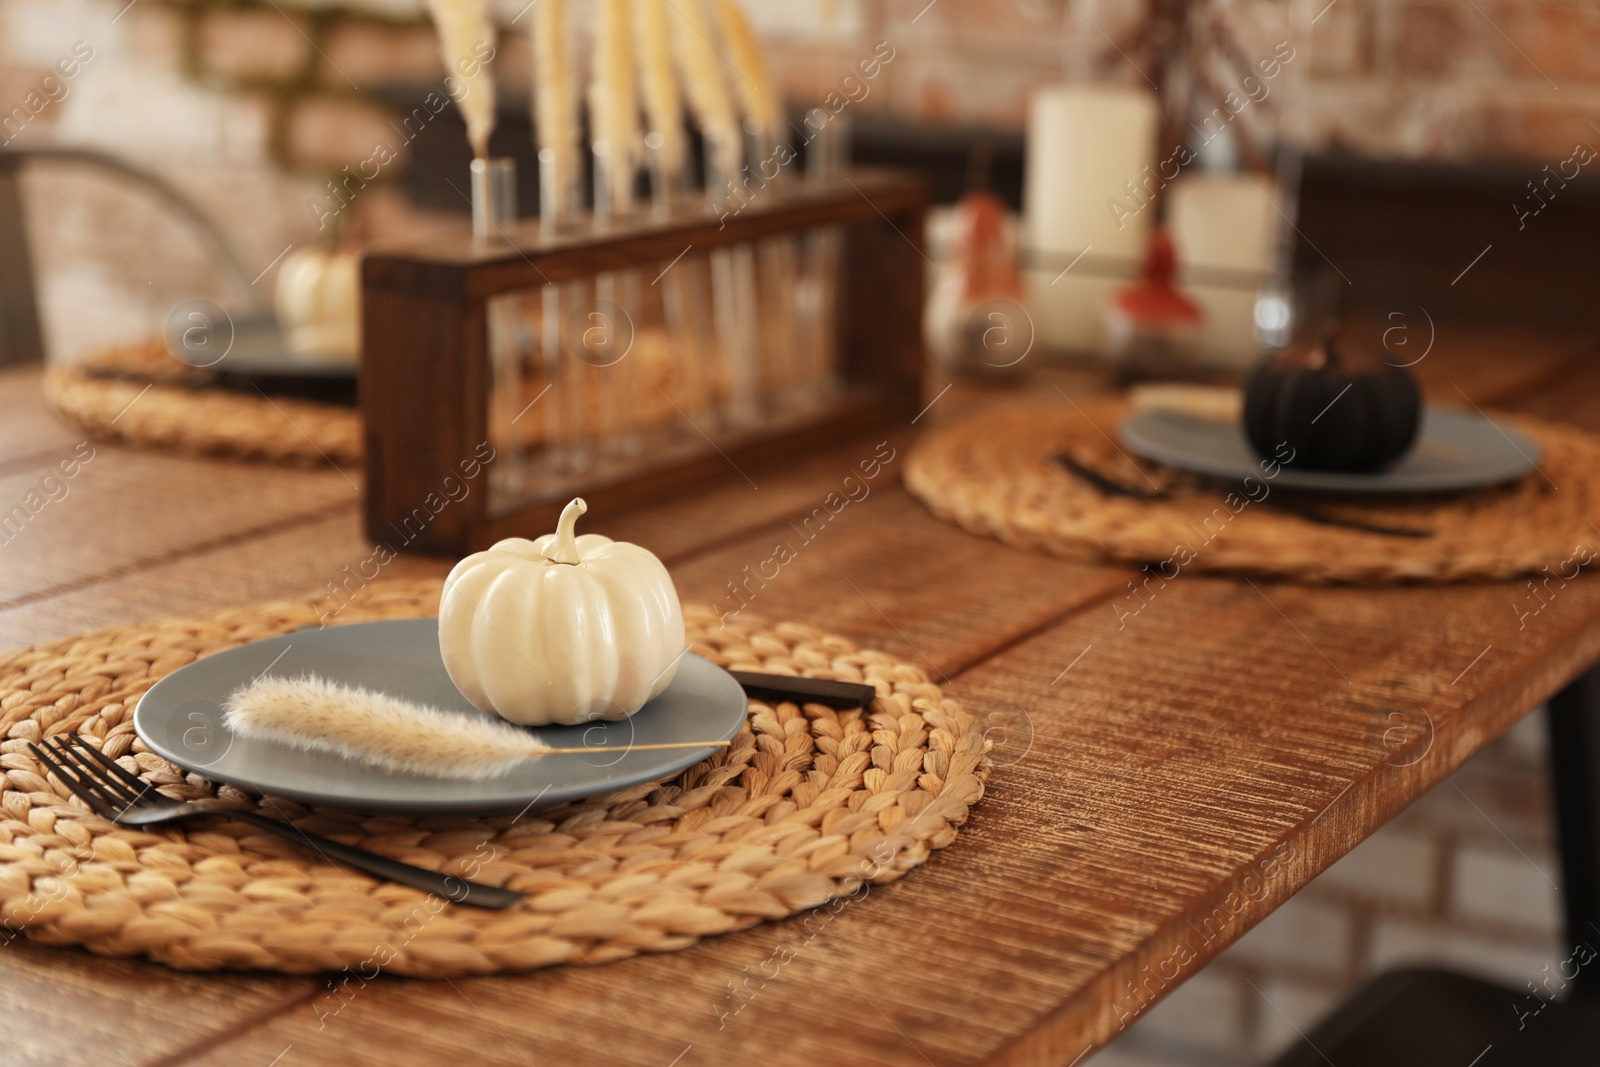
(138, 394)
(995, 475)
(808, 804)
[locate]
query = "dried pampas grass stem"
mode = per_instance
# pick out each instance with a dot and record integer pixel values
(662, 103)
(702, 69)
(752, 83)
(465, 35)
(614, 99)
(398, 735)
(555, 102)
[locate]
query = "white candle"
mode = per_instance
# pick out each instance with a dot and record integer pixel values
(1090, 165)
(1089, 148)
(1224, 221)
(1225, 228)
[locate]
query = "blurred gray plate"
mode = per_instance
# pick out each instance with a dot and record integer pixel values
(180, 718)
(1454, 450)
(258, 349)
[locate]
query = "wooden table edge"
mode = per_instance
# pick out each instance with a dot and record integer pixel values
(1110, 1004)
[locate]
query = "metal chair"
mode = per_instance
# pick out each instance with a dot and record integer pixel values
(21, 337)
(1408, 1018)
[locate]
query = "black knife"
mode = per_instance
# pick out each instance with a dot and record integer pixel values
(805, 690)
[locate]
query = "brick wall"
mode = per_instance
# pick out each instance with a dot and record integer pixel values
(251, 106)
(247, 109)
(1409, 79)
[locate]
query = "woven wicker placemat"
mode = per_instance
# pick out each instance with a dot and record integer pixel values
(994, 475)
(807, 805)
(139, 394)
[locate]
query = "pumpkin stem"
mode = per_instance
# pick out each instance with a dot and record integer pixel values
(566, 547)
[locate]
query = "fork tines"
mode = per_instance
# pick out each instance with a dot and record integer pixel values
(91, 775)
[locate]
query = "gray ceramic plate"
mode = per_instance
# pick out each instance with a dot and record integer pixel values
(258, 349)
(1454, 450)
(181, 719)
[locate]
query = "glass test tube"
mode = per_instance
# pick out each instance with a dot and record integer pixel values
(494, 216)
(608, 329)
(733, 302)
(685, 302)
(566, 449)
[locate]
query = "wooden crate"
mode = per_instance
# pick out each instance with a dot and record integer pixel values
(426, 378)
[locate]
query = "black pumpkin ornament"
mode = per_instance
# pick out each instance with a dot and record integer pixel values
(1338, 411)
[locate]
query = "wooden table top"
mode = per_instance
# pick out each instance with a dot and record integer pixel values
(1159, 788)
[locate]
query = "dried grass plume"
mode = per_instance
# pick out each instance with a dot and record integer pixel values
(370, 727)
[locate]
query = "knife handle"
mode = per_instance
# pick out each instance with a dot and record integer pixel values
(806, 690)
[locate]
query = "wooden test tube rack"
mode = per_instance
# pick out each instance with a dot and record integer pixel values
(426, 377)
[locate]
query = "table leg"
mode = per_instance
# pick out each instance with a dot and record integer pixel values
(1574, 721)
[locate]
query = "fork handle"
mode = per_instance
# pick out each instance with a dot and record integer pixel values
(1312, 513)
(452, 887)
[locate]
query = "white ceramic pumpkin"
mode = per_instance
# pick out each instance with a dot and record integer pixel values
(562, 629)
(318, 301)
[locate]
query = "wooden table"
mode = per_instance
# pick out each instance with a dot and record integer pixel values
(1159, 787)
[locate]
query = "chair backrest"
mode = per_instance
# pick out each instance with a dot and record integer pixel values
(21, 340)
(21, 336)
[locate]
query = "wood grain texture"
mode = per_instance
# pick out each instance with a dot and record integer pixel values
(1494, 367)
(1224, 739)
(124, 510)
(29, 434)
(327, 555)
(735, 509)
(1069, 903)
(63, 1005)
(420, 267)
(1572, 397)
(871, 571)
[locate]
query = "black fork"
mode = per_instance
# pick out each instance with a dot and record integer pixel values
(123, 798)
